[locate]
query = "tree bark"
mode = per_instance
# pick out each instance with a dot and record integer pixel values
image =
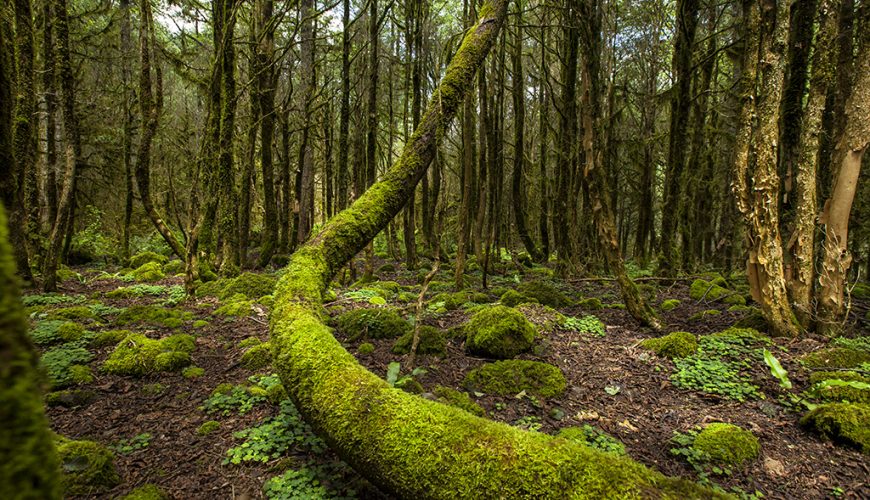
(305, 194)
(265, 81)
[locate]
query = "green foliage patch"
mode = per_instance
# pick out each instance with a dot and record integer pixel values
(274, 438)
(593, 437)
(320, 481)
(133, 444)
(589, 325)
(154, 315)
(58, 361)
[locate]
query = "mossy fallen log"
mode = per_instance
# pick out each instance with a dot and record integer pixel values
(405, 444)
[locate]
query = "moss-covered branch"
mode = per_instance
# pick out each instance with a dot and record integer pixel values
(407, 445)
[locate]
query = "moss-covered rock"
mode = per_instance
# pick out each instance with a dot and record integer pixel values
(143, 258)
(845, 423)
(821, 376)
(365, 348)
(70, 398)
(544, 293)
(499, 332)
(72, 313)
(235, 306)
(510, 377)
(208, 427)
(173, 267)
(110, 337)
(713, 292)
(458, 399)
(672, 345)
(257, 357)
(153, 315)
(250, 285)
(138, 355)
(727, 444)
(513, 298)
(669, 304)
(591, 303)
(71, 331)
(372, 323)
(836, 357)
(80, 374)
(432, 341)
(146, 492)
(838, 390)
(148, 272)
(192, 372)
(87, 466)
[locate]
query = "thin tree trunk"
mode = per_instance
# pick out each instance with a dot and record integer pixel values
(127, 142)
(24, 215)
(265, 80)
(567, 144)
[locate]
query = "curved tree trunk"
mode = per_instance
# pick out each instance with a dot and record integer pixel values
(405, 444)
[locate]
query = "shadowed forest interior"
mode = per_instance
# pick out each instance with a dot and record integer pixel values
(434, 249)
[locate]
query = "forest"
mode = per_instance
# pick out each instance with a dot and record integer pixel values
(305, 249)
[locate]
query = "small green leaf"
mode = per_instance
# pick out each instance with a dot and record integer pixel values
(777, 370)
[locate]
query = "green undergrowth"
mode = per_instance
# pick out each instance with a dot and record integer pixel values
(274, 438)
(589, 325)
(236, 306)
(51, 299)
(672, 345)
(148, 272)
(227, 398)
(330, 480)
(60, 362)
(544, 293)
(138, 355)
(593, 437)
(251, 285)
(511, 377)
(499, 332)
(127, 446)
(145, 257)
(153, 315)
(257, 356)
(835, 358)
(722, 363)
(715, 291)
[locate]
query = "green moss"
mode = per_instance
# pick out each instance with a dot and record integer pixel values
(544, 294)
(208, 427)
(365, 348)
(173, 267)
(154, 315)
(258, 356)
(146, 492)
(148, 272)
(138, 355)
(754, 319)
(672, 345)
(154, 389)
(145, 257)
(704, 314)
(66, 274)
(267, 300)
(727, 444)
(669, 304)
(235, 306)
(70, 398)
(590, 436)
(372, 323)
(110, 337)
(458, 399)
(250, 285)
(835, 357)
(432, 341)
(512, 298)
(72, 313)
(591, 303)
(817, 377)
(249, 342)
(507, 378)
(386, 268)
(80, 374)
(192, 372)
(71, 331)
(276, 393)
(846, 423)
(200, 323)
(499, 332)
(59, 360)
(712, 292)
(861, 291)
(88, 467)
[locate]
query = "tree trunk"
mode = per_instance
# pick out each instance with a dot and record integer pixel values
(228, 213)
(127, 142)
(847, 157)
(567, 144)
(265, 81)
(687, 22)
(305, 194)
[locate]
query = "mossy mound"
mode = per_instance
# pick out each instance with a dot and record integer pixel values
(591, 303)
(838, 390)
(510, 377)
(70, 398)
(208, 427)
(672, 345)
(148, 272)
(140, 259)
(845, 423)
(138, 355)
(386, 268)
(458, 399)
(365, 348)
(173, 267)
(372, 323)
(71, 331)
(713, 292)
(72, 313)
(595, 438)
(512, 298)
(669, 305)
(544, 293)
(753, 319)
(146, 492)
(451, 301)
(87, 466)
(110, 337)
(499, 332)
(193, 372)
(727, 444)
(153, 315)
(704, 314)
(235, 306)
(250, 285)
(847, 376)
(258, 356)
(836, 357)
(249, 342)
(432, 341)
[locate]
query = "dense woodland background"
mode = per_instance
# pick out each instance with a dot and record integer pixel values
(237, 128)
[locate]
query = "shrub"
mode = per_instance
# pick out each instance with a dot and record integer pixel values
(372, 323)
(506, 378)
(138, 355)
(499, 332)
(672, 345)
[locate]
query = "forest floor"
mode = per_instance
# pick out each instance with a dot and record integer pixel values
(618, 390)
